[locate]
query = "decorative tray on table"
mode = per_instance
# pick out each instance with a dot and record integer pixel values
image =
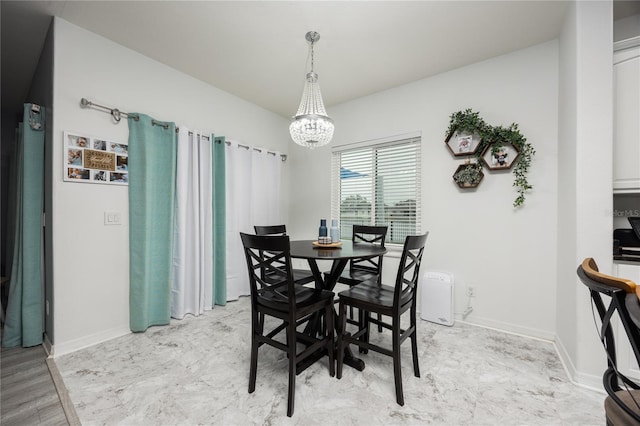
(327, 245)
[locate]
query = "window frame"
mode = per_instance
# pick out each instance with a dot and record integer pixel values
(414, 139)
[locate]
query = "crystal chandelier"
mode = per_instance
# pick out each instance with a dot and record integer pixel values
(311, 127)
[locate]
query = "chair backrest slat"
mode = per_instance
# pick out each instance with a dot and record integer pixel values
(409, 270)
(273, 230)
(369, 234)
(269, 265)
(270, 230)
(591, 270)
(364, 234)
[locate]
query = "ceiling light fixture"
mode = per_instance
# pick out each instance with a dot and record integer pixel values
(311, 127)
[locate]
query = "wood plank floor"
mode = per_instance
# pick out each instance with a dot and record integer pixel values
(27, 392)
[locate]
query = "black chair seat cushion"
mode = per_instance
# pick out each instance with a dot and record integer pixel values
(300, 276)
(372, 293)
(356, 276)
(615, 414)
(305, 296)
(303, 276)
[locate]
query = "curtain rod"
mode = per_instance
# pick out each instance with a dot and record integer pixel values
(283, 157)
(117, 116)
(115, 112)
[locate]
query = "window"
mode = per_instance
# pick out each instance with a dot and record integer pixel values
(378, 183)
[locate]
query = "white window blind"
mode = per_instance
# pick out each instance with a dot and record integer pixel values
(378, 183)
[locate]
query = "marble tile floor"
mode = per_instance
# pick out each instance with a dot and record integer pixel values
(195, 372)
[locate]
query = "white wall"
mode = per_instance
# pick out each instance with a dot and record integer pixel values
(507, 254)
(91, 272)
(585, 187)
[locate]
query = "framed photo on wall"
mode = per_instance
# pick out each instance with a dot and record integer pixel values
(499, 156)
(462, 144)
(90, 159)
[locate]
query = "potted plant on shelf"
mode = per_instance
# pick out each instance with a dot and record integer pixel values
(468, 175)
(464, 135)
(467, 121)
(499, 135)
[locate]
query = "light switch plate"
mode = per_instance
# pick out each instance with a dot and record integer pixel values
(112, 218)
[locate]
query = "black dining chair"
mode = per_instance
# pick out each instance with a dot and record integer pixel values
(622, 405)
(291, 303)
(300, 276)
(388, 301)
(364, 269)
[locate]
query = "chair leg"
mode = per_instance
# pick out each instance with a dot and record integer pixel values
(397, 370)
(414, 346)
(379, 315)
(331, 347)
(261, 321)
(253, 369)
(366, 324)
(342, 309)
(253, 365)
(291, 343)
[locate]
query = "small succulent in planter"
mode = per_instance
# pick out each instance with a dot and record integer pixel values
(468, 175)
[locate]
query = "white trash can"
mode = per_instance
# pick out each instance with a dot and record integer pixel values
(437, 297)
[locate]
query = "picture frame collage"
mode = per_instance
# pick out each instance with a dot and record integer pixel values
(95, 160)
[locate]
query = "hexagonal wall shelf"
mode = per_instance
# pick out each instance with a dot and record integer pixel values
(468, 175)
(461, 144)
(500, 156)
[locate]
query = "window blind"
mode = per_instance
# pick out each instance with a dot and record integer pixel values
(378, 183)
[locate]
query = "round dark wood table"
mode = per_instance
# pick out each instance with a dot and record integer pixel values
(340, 256)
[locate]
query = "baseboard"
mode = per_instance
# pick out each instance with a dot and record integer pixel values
(589, 381)
(63, 348)
(507, 327)
(47, 345)
(63, 394)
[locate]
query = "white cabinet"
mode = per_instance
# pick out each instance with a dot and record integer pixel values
(626, 113)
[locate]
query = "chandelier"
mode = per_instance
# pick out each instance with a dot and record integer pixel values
(311, 127)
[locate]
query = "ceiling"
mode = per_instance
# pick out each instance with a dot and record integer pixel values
(256, 50)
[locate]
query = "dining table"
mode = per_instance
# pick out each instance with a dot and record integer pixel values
(339, 254)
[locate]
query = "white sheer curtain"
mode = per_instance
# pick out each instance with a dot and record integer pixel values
(253, 198)
(192, 286)
(265, 184)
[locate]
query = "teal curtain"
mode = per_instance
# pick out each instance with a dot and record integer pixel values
(25, 309)
(152, 176)
(219, 223)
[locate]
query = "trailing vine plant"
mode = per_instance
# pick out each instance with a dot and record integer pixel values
(466, 121)
(469, 121)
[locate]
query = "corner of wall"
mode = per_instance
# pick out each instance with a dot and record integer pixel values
(585, 136)
(589, 381)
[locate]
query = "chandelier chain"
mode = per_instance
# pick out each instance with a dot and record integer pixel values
(312, 56)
